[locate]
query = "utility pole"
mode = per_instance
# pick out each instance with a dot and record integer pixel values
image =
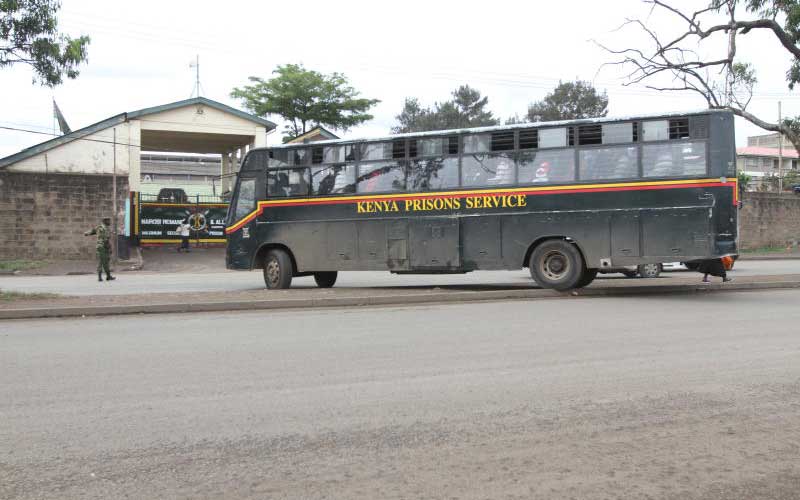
(780, 150)
(114, 201)
(196, 65)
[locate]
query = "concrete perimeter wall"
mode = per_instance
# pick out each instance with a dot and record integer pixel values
(43, 216)
(769, 220)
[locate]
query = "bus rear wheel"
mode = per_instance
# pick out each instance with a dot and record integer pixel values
(588, 276)
(278, 270)
(557, 264)
(326, 279)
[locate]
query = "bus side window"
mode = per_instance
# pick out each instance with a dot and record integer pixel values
(289, 182)
(335, 179)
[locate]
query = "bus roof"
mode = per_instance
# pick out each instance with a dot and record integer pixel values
(434, 133)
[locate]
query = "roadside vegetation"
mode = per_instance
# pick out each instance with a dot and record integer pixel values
(8, 296)
(20, 264)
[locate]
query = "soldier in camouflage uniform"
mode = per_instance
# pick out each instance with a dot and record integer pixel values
(103, 249)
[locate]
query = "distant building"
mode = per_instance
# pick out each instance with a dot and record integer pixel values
(760, 159)
(195, 174)
(315, 134)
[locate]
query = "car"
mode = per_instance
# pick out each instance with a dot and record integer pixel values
(642, 270)
(173, 195)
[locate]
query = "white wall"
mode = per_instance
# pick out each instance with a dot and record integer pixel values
(93, 154)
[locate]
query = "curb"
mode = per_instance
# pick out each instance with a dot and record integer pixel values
(794, 256)
(388, 300)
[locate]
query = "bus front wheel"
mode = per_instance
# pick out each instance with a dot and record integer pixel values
(278, 270)
(325, 279)
(557, 264)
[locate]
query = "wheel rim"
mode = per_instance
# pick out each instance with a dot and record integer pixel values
(554, 266)
(651, 269)
(273, 272)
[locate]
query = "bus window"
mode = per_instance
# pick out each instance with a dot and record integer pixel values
(380, 177)
(376, 151)
(336, 179)
(552, 137)
(246, 198)
(432, 173)
(477, 143)
(550, 166)
(609, 163)
(487, 170)
(279, 158)
(289, 182)
(674, 159)
(338, 154)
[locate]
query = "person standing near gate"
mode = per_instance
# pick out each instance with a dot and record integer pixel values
(184, 230)
(103, 248)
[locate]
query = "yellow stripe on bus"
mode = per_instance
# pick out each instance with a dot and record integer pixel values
(433, 194)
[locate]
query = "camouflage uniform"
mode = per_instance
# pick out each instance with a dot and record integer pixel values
(103, 250)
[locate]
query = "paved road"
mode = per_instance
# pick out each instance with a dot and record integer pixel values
(678, 397)
(146, 282)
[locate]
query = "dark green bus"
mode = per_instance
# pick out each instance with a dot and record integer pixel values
(563, 199)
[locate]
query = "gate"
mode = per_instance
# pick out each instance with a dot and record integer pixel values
(156, 218)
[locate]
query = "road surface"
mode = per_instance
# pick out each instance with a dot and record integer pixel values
(182, 282)
(671, 397)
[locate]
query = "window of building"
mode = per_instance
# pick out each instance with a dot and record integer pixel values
(432, 174)
(619, 162)
(338, 154)
(503, 140)
(378, 177)
(540, 167)
(336, 179)
(674, 159)
(487, 170)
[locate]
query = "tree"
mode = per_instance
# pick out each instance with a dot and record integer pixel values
(305, 98)
(569, 101)
(29, 35)
(466, 109)
(674, 63)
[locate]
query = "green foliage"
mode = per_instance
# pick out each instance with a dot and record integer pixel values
(29, 35)
(306, 99)
(743, 181)
(466, 109)
(569, 101)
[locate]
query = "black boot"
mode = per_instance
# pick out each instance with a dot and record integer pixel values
(99, 276)
(109, 277)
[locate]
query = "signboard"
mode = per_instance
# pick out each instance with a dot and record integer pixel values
(158, 222)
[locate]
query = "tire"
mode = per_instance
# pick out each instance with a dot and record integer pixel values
(556, 264)
(649, 270)
(326, 279)
(588, 276)
(278, 270)
(631, 274)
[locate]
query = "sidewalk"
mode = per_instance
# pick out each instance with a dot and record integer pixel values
(96, 305)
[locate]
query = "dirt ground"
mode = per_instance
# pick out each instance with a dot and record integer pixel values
(159, 259)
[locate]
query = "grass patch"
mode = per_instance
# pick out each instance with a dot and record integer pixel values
(767, 250)
(20, 265)
(7, 296)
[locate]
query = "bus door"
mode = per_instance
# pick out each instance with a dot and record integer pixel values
(242, 238)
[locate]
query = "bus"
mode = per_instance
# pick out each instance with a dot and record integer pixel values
(563, 199)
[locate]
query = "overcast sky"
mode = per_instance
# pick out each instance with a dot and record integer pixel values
(513, 52)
